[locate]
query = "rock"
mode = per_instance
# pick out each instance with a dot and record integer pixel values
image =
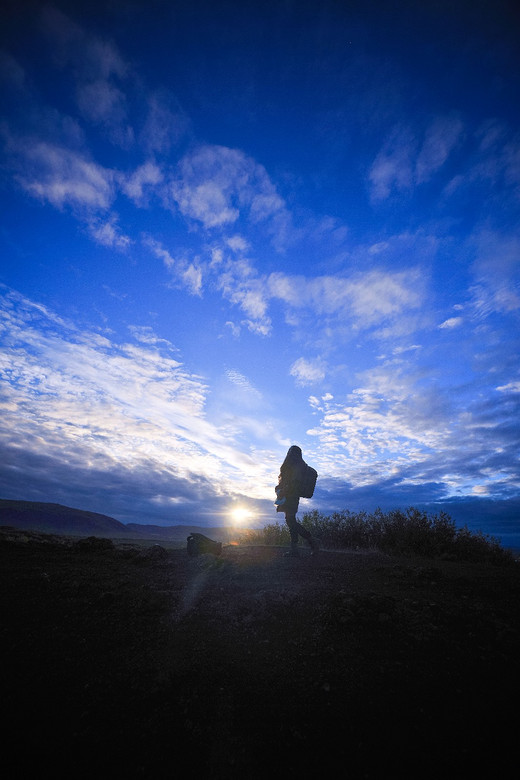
(94, 543)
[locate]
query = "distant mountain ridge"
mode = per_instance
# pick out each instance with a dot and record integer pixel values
(68, 521)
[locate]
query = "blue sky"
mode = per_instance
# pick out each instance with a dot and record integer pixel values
(230, 227)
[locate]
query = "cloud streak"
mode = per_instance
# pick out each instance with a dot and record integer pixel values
(76, 397)
(407, 161)
(61, 176)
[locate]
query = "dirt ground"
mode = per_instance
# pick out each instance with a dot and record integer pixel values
(144, 661)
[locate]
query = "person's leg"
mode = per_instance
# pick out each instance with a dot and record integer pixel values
(313, 543)
(290, 519)
(302, 531)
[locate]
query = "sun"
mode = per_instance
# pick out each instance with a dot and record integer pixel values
(240, 515)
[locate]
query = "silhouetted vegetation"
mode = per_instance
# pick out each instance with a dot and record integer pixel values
(407, 532)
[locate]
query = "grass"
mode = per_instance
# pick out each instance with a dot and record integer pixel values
(408, 532)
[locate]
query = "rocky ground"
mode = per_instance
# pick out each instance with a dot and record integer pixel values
(146, 661)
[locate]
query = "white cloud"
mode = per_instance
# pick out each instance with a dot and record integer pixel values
(100, 101)
(209, 183)
(145, 335)
(138, 185)
(238, 244)
(249, 296)
(207, 202)
(396, 425)
(159, 251)
(493, 167)
(108, 233)
(386, 421)
(480, 490)
(451, 323)
(94, 58)
(511, 387)
(98, 69)
(165, 124)
(496, 271)
(401, 165)
(367, 298)
(307, 372)
(407, 348)
(360, 302)
(61, 176)
(240, 284)
(187, 274)
(217, 185)
(440, 139)
(393, 167)
(80, 398)
(191, 275)
(233, 328)
(260, 327)
(378, 295)
(242, 382)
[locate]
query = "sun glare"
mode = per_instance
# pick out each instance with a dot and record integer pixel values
(240, 515)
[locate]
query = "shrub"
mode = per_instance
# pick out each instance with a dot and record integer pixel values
(470, 545)
(408, 532)
(272, 535)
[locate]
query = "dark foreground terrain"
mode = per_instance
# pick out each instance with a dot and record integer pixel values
(144, 662)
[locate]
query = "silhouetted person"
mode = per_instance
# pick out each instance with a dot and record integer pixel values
(288, 493)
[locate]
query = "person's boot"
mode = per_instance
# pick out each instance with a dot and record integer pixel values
(315, 545)
(293, 551)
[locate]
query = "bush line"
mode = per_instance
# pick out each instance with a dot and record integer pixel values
(406, 532)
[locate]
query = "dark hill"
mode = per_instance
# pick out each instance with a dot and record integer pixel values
(68, 521)
(55, 518)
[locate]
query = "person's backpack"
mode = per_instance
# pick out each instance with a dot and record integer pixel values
(198, 544)
(308, 482)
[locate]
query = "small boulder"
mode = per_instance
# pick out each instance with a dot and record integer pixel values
(198, 544)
